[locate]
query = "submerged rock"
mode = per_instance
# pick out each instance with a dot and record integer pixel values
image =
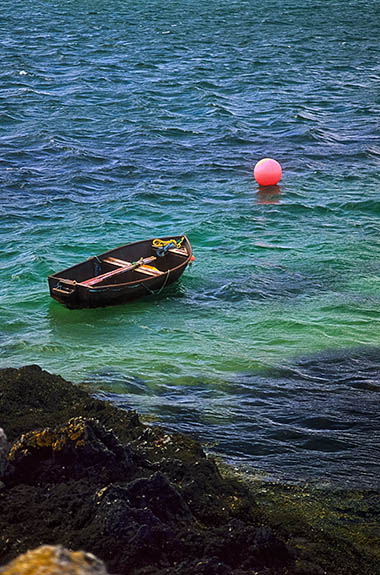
(54, 560)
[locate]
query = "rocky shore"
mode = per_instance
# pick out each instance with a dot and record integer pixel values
(102, 492)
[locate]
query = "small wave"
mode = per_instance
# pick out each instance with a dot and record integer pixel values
(320, 422)
(234, 139)
(326, 136)
(298, 207)
(277, 284)
(371, 206)
(347, 367)
(176, 132)
(9, 119)
(311, 115)
(325, 444)
(273, 246)
(373, 151)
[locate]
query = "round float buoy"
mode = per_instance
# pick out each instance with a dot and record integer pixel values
(267, 172)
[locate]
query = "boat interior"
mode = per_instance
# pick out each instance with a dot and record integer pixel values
(123, 265)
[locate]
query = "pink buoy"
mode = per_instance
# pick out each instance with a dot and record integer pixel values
(267, 172)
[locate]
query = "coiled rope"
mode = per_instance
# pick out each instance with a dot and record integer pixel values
(164, 245)
(157, 243)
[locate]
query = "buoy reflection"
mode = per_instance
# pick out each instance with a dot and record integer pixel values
(268, 195)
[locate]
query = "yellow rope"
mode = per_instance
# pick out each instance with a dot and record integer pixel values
(162, 243)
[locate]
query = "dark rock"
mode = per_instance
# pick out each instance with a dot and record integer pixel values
(308, 568)
(212, 566)
(33, 399)
(249, 547)
(3, 453)
(146, 502)
(160, 496)
(144, 536)
(79, 448)
(160, 446)
(147, 513)
(116, 516)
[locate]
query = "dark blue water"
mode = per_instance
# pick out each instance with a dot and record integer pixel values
(121, 121)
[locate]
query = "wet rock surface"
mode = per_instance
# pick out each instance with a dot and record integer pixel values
(4, 447)
(85, 475)
(54, 560)
(80, 448)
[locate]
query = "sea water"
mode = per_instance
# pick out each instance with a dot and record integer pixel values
(125, 120)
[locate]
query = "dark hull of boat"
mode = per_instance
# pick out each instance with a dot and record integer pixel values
(100, 282)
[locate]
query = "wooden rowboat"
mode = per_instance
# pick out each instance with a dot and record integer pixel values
(123, 273)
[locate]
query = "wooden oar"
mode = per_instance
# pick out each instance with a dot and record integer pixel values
(123, 267)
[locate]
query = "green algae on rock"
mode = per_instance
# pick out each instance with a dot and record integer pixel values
(330, 530)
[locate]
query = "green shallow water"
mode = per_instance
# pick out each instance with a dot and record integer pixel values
(121, 122)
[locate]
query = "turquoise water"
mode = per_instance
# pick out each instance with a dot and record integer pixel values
(121, 121)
